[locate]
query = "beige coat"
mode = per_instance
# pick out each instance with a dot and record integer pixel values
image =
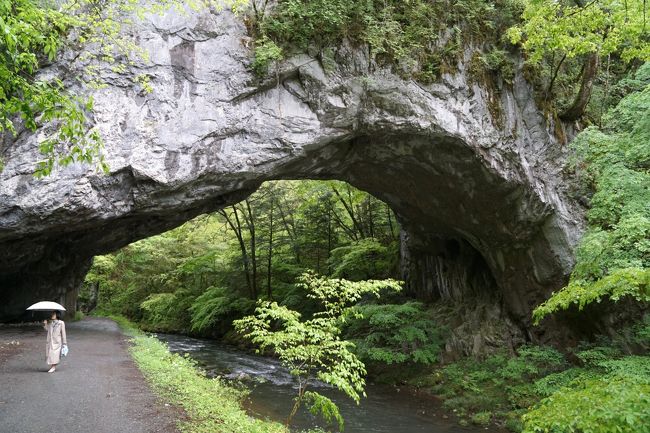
(56, 339)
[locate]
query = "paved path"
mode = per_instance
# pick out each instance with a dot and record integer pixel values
(96, 389)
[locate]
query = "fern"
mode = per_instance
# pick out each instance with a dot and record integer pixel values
(396, 334)
(215, 304)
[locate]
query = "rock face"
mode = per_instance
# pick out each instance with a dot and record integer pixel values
(482, 201)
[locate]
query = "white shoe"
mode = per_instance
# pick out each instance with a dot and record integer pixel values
(51, 370)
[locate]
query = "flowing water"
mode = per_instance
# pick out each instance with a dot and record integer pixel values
(385, 410)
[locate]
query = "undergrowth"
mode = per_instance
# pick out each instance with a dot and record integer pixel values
(598, 387)
(420, 39)
(497, 388)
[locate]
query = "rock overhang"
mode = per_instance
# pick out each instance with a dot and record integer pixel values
(210, 133)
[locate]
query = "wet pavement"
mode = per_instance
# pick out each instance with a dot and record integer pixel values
(96, 389)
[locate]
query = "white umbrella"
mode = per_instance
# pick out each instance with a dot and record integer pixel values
(46, 306)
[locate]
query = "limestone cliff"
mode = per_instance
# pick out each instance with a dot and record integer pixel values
(482, 201)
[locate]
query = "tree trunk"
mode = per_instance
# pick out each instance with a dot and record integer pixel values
(549, 89)
(290, 228)
(269, 292)
(390, 221)
(349, 207)
(349, 231)
(250, 222)
(589, 72)
(242, 246)
(371, 222)
(329, 231)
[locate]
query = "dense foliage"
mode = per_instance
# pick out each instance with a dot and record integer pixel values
(575, 28)
(594, 388)
(203, 275)
(607, 393)
(577, 51)
(613, 260)
(419, 38)
(386, 334)
(498, 387)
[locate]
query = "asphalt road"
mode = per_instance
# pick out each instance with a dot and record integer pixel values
(96, 389)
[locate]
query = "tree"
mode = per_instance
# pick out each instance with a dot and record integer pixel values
(235, 223)
(588, 30)
(313, 347)
(613, 258)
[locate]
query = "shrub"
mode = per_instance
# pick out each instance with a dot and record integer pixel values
(610, 395)
(406, 34)
(556, 381)
(498, 384)
(482, 418)
(216, 306)
(395, 334)
(362, 260)
(313, 347)
(612, 404)
(266, 53)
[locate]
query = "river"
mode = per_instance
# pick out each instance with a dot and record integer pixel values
(385, 410)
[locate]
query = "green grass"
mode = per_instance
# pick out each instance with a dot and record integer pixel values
(211, 405)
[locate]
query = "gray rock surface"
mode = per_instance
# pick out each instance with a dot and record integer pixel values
(482, 201)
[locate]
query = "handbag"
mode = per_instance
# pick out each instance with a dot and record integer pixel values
(64, 350)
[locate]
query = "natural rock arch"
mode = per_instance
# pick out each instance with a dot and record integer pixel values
(482, 201)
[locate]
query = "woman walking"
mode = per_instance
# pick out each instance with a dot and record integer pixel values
(56, 339)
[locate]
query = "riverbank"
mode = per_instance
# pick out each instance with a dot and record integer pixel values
(385, 409)
(210, 405)
(519, 391)
(456, 407)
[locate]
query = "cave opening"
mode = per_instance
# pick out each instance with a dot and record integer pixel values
(257, 248)
(334, 229)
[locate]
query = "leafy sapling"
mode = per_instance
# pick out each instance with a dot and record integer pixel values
(312, 347)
